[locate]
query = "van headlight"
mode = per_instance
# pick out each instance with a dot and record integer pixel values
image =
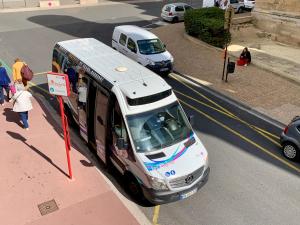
(172, 59)
(206, 160)
(150, 62)
(158, 184)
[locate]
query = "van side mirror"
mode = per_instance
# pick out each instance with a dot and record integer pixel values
(191, 120)
(165, 45)
(122, 144)
(133, 50)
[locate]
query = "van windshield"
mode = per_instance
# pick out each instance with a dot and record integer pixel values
(150, 46)
(159, 128)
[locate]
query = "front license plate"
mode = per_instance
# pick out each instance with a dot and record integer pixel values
(164, 69)
(186, 195)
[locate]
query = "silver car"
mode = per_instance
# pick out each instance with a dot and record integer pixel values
(290, 139)
(175, 12)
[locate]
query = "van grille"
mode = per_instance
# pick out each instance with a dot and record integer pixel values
(186, 180)
(165, 63)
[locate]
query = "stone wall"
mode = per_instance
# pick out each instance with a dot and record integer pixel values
(281, 18)
(280, 5)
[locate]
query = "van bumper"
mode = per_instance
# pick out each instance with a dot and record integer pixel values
(158, 198)
(161, 69)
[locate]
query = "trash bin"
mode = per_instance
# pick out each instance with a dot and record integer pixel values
(230, 67)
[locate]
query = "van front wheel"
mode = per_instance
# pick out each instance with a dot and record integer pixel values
(133, 187)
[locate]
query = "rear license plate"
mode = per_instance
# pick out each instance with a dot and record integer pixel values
(186, 195)
(164, 69)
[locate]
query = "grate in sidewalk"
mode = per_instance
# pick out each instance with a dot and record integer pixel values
(47, 207)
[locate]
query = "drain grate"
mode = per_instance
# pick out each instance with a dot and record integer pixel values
(47, 207)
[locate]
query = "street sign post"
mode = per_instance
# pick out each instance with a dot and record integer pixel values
(227, 22)
(59, 85)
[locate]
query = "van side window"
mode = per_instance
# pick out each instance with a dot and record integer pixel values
(55, 62)
(131, 45)
(179, 9)
(187, 7)
(123, 39)
(118, 123)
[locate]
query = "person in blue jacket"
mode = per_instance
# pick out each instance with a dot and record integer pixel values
(4, 84)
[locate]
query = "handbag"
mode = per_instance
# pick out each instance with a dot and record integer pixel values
(12, 89)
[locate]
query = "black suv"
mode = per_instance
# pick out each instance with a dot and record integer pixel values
(290, 139)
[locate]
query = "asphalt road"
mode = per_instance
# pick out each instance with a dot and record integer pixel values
(250, 181)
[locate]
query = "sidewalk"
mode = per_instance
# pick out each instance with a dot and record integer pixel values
(33, 170)
(264, 91)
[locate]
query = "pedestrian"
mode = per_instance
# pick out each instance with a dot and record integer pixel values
(22, 104)
(245, 58)
(16, 68)
(4, 84)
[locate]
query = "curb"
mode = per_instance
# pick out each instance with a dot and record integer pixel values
(254, 62)
(133, 209)
(238, 104)
(57, 7)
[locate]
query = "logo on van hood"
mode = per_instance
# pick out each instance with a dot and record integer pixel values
(154, 165)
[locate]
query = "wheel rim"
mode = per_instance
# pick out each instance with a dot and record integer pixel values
(133, 188)
(290, 151)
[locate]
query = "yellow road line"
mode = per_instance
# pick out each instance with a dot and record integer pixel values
(155, 215)
(243, 137)
(42, 89)
(268, 133)
(40, 73)
(261, 131)
(203, 96)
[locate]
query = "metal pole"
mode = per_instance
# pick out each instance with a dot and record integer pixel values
(66, 134)
(225, 57)
(227, 69)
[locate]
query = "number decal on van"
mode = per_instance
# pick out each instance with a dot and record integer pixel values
(171, 173)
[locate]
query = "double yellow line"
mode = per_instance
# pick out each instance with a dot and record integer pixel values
(226, 112)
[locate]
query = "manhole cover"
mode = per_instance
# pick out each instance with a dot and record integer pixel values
(47, 207)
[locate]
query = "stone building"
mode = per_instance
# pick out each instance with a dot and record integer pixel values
(281, 18)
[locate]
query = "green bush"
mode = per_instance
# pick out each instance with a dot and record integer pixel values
(207, 24)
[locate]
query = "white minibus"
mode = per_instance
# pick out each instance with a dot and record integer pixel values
(133, 120)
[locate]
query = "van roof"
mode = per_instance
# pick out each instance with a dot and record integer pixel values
(176, 4)
(135, 82)
(135, 32)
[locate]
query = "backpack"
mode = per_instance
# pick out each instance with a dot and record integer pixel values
(26, 72)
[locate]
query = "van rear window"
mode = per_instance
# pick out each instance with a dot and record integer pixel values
(149, 99)
(168, 8)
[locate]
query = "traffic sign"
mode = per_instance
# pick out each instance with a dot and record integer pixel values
(58, 84)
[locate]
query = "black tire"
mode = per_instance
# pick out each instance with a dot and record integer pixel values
(240, 10)
(175, 20)
(133, 187)
(290, 151)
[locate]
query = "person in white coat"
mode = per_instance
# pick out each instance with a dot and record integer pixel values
(22, 104)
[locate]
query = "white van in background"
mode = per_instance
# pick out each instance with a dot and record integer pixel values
(143, 47)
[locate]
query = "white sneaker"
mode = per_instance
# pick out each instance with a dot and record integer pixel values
(27, 129)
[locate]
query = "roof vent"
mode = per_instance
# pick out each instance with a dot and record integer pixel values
(121, 69)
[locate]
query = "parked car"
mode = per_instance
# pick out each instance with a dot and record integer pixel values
(248, 5)
(237, 5)
(290, 139)
(174, 12)
(143, 47)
